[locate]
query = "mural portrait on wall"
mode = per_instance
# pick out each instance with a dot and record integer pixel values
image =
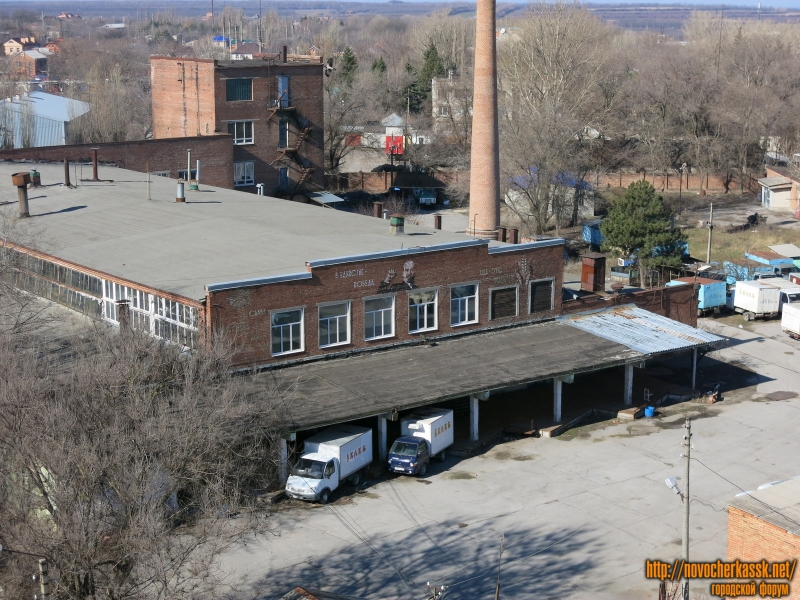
(390, 285)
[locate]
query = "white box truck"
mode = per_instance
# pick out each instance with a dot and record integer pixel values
(426, 433)
(329, 457)
(790, 291)
(756, 299)
(790, 320)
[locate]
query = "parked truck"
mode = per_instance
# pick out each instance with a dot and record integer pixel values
(329, 458)
(790, 290)
(756, 299)
(711, 293)
(425, 433)
(790, 320)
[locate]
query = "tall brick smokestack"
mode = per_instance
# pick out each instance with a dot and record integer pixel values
(484, 179)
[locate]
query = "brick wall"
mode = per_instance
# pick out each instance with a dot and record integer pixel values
(182, 92)
(678, 303)
(244, 313)
(214, 153)
(672, 182)
(753, 539)
(190, 99)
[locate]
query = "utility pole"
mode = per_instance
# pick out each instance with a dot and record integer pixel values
(710, 229)
(687, 445)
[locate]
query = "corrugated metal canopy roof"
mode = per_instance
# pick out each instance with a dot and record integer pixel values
(777, 504)
(641, 330)
(324, 197)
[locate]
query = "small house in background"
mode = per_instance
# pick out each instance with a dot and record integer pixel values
(30, 63)
(18, 45)
(39, 119)
(780, 190)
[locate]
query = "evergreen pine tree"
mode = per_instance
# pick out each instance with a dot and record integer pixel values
(640, 222)
(379, 67)
(348, 66)
(432, 66)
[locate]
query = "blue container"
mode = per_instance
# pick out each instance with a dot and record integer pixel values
(649, 411)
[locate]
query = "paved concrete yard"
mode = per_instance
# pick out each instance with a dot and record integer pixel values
(578, 515)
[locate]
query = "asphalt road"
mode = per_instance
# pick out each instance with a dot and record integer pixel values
(576, 516)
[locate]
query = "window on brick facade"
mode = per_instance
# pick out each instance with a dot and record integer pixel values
(283, 133)
(242, 132)
(243, 173)
(541, 295)
(422, 310)
(334, 324)
(378, 317)
(238, 89)
(503, 303)
(182, 174)
(463, 304)
(283, 91)
(287, 331)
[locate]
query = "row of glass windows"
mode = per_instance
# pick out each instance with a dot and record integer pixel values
(163, 318)
(287, 326)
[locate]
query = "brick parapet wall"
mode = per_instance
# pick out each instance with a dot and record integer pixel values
(244, 313)
(214, 153)
(677, 303)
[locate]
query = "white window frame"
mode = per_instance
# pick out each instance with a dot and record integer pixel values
(243, 140)
(155, 314)
(346, 318)
(503, 287)
(249, 178)
(283, 134)
(391, 310)
(552, 281)
(466, 298)
(435, 303)
(302, 323)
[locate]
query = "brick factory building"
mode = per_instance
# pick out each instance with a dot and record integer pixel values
(287, 281)
(454, 317)
(765, 525)
(272, 107)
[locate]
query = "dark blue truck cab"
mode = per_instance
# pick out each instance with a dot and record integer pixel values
(409, 455)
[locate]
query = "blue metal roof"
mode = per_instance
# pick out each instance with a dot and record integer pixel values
(641, 330)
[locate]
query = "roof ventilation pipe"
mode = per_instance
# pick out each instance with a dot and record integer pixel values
(397, 224)
(180, 195)
(21, 180)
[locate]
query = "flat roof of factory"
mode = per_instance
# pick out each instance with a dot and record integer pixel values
(218, 235)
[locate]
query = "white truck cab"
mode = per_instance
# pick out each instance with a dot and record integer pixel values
(328, 458)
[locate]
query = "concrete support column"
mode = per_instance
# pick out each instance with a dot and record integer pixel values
(383, 449)
(283, 466)
(557, 384)
(694, 368)
(473, 418)
(628, 385)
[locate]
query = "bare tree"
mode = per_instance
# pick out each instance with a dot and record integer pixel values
(128, 464)
(553, 109)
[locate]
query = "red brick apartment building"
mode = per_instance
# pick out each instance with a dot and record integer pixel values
(285, 281)
(272, 107)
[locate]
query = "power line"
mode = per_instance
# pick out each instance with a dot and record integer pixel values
(363, 540)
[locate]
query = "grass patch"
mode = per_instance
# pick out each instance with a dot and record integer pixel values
(732, 246)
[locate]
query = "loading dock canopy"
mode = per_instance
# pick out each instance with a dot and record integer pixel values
(333, 391)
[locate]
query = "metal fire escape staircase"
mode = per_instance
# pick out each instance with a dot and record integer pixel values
(293, 150)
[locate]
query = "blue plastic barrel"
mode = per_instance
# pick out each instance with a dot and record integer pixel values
(649, 411)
